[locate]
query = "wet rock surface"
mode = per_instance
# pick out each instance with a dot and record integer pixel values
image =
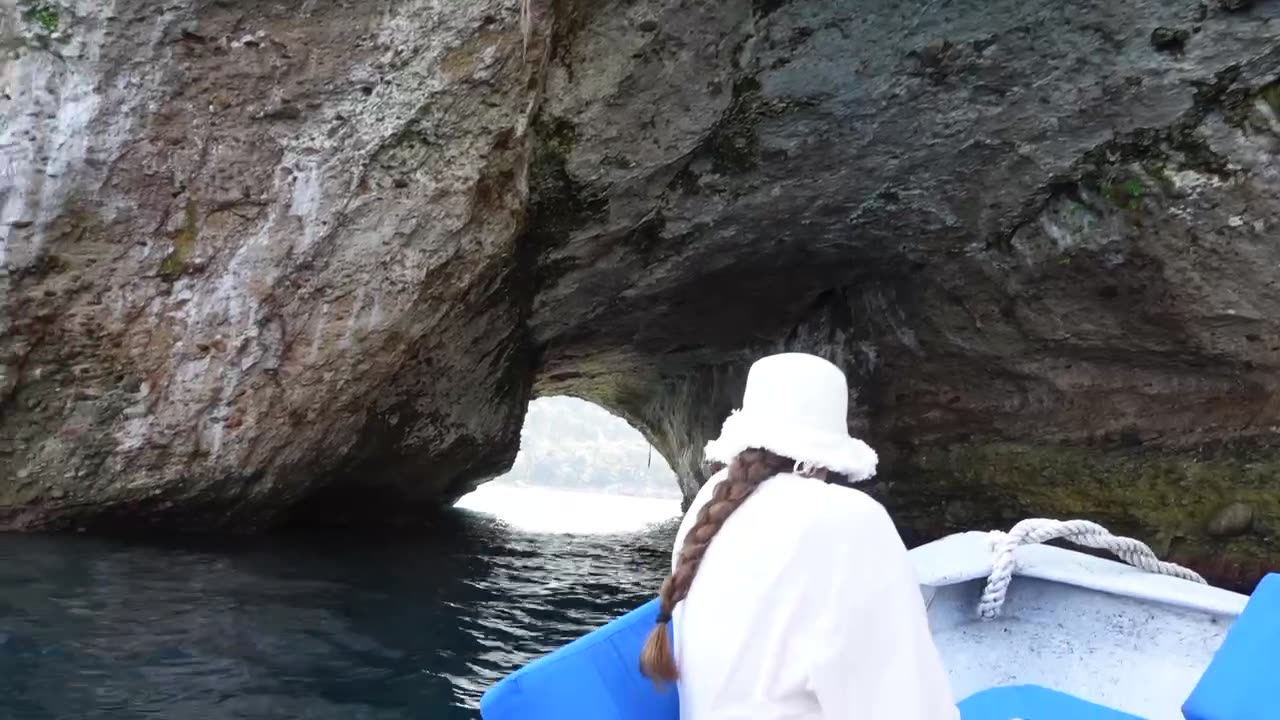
(1014, 224)
(297, 273)
(257, 255)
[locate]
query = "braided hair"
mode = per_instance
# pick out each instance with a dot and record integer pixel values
(747, 472)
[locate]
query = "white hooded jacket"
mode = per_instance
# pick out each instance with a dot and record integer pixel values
(805, 607)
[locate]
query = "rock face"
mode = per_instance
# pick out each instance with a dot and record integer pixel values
(1042, 236)
(282, 263)
(260, 258)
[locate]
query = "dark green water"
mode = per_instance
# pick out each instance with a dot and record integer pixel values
(301, 627)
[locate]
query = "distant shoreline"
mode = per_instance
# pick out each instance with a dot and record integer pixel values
(612, 490)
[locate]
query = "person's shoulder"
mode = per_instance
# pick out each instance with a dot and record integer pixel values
(845, 499)
(819, 499)
(854, 513)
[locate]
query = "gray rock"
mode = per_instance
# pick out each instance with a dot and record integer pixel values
(293, 258)
(1011, 223)
(292, 226)
(1018, 219)
(1232, 520)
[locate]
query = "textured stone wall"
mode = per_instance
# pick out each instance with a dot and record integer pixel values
(1040, 236)
(260, 252)
(308, 262)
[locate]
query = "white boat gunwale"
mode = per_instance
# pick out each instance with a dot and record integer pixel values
(968, 556)
(1135, 639)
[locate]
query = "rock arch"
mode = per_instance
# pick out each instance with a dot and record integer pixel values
(313, 265)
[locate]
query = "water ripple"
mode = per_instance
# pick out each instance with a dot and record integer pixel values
(321, 628)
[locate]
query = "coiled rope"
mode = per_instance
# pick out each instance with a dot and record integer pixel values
(1081, 532)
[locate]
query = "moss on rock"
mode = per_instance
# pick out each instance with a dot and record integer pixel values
(733, 145)
(1271, 96)
(184, 243)
(1173, 499)
(44, 16)
(1125, 193)
(557, 202)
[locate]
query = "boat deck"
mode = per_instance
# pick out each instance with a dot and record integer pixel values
(1091, 627)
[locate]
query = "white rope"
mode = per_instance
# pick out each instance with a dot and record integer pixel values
(1080, 532)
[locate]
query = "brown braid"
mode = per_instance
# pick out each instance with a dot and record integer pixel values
(746, 473)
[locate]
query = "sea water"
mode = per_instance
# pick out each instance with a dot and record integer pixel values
(319, 627)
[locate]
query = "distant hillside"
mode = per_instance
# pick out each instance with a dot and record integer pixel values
(573, 444)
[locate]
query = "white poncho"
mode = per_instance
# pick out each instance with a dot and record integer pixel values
(806, 608)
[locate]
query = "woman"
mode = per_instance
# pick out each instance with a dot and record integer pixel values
(792, 597)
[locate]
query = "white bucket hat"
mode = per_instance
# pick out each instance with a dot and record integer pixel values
(797, 406)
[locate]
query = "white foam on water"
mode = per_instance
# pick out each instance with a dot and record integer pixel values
(546, 510)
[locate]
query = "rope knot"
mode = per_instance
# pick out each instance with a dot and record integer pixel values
(1034, 531)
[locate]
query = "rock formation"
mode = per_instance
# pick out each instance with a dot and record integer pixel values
(261, 255)
(1041, 235)
(307, 262)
